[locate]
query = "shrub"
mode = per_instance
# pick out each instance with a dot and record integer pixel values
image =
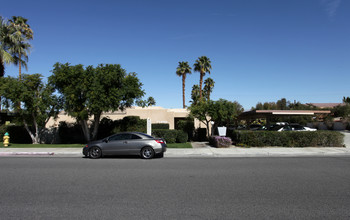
(220, 142)
(187, 126)
(171, 136)
(181, 137)
(288, 138)
(168, 135)
(18, 134)
(131, 123)
(70, 133)
(3, 129)
(106, 128)
(201, 134)
(157, 126)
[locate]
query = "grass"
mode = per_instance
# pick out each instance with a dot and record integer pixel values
(175, 145)
(180, 145)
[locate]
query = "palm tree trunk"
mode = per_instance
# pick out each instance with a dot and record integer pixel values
(183, 90)
(20, 67)
(200, 86)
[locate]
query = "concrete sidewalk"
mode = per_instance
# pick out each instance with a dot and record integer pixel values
(204, 151)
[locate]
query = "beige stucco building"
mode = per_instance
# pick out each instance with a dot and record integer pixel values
(155, 113)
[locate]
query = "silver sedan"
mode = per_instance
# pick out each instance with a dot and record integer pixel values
(127, 143)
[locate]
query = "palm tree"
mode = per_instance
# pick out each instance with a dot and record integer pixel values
(208, 87)
(182, 70)
(23, 33)
(6, 41)
(202, 65)
(195, 94)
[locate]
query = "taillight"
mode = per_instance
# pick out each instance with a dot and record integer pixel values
(159, 141)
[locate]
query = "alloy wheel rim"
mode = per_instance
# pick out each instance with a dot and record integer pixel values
(147, 153)
(95, 152)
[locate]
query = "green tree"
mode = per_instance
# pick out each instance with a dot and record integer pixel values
(145, 103)
(151, 101)
(89, 92)
(37, 102)
(225, 113)
(195, 95)
(208, 87)
(182, 70)
(221, 112)
(23, 33)
(202, 111)
(202, 65)
(346, 100)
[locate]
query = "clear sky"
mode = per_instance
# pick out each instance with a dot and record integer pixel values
(261, 50)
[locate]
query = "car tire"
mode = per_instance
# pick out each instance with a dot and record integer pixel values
(95, 152)
(147, 153)
(160, 155)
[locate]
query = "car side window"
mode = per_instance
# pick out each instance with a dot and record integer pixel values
(120, 137)
(133, 136)
(115, 138)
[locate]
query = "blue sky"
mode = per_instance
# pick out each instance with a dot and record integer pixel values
(261, 50)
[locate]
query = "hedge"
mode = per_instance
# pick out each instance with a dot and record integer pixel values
(18, 134)
(288, 138)
(170, 136)
(157, 126)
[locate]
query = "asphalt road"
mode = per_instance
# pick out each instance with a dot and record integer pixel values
(169, 188)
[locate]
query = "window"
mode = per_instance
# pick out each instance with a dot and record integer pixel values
(135, 137)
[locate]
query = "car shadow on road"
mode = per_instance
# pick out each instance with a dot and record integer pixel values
(123, 157)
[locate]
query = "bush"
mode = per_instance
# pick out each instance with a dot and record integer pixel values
(157, 126)
(131, 123)
(181, 137)
(200, 134)
(187, 126)
(288, 138)
(3, 129)
(220, 142)
(106, 128)
(18, 134)
(70, 133)
(168, 135)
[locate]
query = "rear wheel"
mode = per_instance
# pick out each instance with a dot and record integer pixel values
(147, 153)
(95, 152)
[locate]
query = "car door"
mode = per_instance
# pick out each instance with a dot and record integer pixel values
(133, 144)
(115, 144)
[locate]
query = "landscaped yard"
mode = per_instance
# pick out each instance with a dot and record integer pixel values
(175, 145)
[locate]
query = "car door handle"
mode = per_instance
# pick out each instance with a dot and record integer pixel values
(125, 142)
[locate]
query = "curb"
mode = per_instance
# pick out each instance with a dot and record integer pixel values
(26, 153)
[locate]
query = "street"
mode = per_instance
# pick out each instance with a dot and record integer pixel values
(175, 188)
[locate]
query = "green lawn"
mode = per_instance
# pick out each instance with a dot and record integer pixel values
(180, 145)
(176, 145)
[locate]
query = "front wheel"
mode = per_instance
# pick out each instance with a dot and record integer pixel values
(147, 153)
(95, 152)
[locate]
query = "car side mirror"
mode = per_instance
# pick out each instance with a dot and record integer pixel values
(105, 140)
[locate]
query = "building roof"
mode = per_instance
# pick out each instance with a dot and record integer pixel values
(270, 113)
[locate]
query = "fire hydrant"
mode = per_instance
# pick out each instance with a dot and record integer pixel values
(6, 139)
